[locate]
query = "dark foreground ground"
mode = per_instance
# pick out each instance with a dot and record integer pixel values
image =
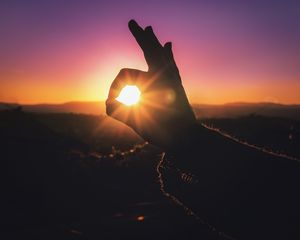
(71, 176)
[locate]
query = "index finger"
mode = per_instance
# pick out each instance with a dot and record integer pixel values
(138, 34)
(149, 44)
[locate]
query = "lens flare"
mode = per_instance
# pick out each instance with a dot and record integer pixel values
(129, 95)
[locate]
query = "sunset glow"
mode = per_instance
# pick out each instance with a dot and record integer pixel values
(60, 51)
(129, 95)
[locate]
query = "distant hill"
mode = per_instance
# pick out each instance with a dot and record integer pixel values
(95, 108)
(7, 106)
(231, 110)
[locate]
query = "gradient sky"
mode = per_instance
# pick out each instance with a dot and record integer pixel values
(227, 51)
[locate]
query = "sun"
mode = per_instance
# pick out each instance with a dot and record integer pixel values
(129, 95)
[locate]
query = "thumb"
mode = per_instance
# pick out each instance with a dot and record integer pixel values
(116, 109)
(119, 112)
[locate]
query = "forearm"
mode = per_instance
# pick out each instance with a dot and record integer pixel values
(234, 186)
(203, 149)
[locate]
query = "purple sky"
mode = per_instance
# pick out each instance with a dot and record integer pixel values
(57, 51)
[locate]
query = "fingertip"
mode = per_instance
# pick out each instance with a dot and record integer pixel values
(134, 26)
(108, 107)
(131, 23)
(168, 45)
(111, 106)
(149, 28)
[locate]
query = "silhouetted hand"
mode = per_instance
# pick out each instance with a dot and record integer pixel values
(234, 188)
(163, 115)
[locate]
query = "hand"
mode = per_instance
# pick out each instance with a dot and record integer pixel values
(163, 114)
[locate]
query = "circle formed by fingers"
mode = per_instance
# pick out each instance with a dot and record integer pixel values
(129, 95)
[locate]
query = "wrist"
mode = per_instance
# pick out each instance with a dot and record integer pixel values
(194, 149)
(186, 140)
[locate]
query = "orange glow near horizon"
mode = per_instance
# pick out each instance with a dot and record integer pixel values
(94, 86)
(94, 90)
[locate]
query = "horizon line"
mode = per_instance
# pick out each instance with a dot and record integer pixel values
(192, 103)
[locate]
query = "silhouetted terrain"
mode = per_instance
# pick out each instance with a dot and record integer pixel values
(276, 134)
(231, 110)
(234, 110)
(76, 176)
(68, 176)
(95, 108)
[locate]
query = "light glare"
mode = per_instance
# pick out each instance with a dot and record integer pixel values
(129, 95)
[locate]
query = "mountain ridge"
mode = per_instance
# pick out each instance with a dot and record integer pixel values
(227, 110)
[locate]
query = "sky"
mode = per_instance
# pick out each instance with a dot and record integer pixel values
(227, 51)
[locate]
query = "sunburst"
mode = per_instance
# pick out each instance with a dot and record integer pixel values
(129, 95)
